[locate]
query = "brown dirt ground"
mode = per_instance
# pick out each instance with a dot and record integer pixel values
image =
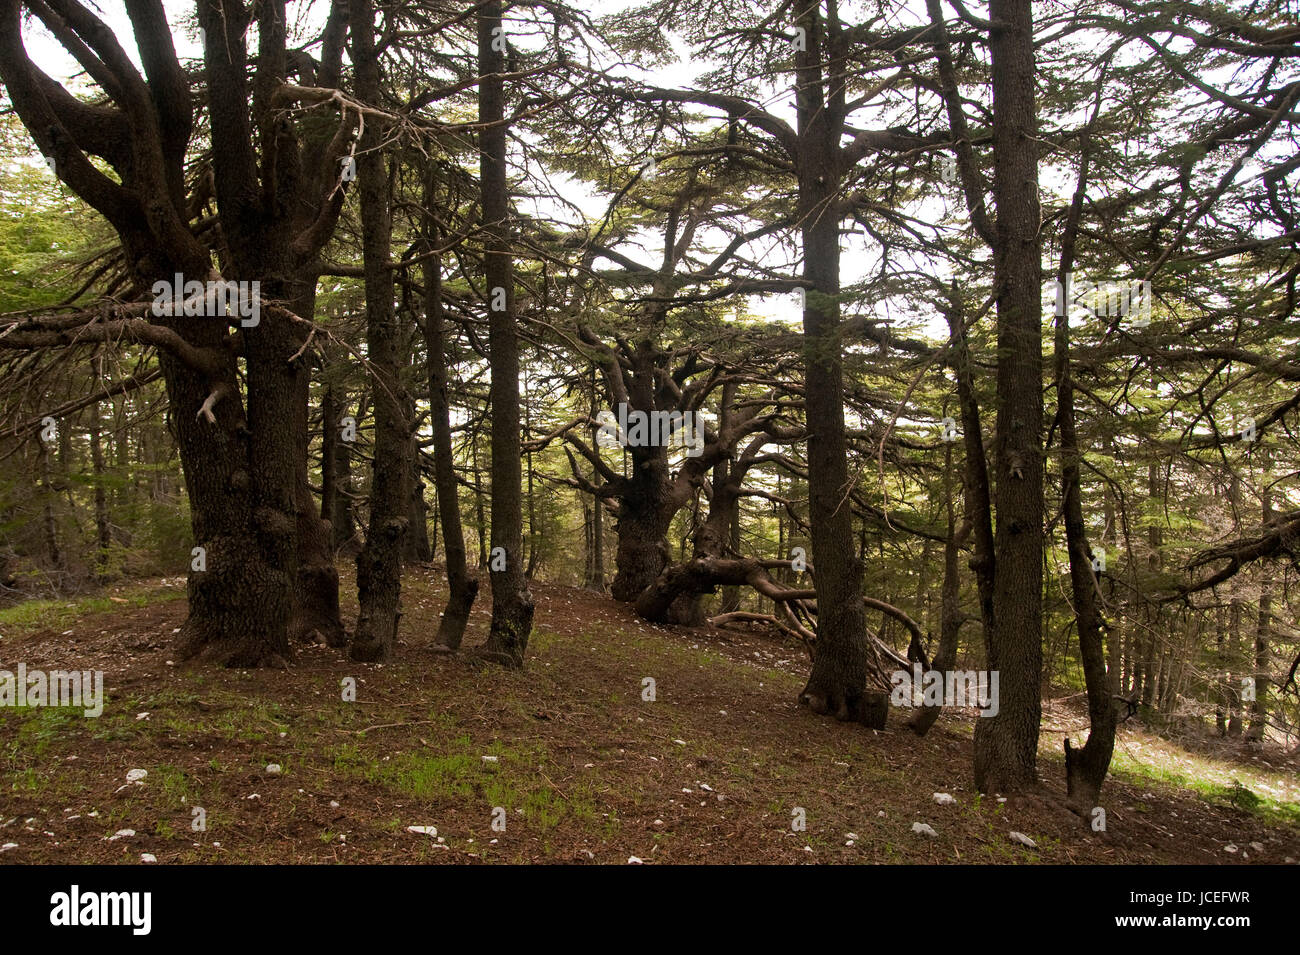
(712, 771)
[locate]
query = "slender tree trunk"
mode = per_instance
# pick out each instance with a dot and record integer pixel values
(1259, 707)
(1085, 770)
(837, 684)
(512, 604)
(49, 525)
(479, 516)
(945, 659)
(379, 565)
(103, 528)
(329, 441)
(1006, 745)
(462, 588)
(596, 578)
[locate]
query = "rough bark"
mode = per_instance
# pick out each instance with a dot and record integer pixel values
(462, 588)
(379, 565)
(950, 616)
(1006, 745)
(512, 604)
(837, 683)
(1085, 770)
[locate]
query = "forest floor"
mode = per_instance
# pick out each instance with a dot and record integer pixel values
(715, 769)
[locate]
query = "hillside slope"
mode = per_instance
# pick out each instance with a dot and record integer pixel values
(715, 769)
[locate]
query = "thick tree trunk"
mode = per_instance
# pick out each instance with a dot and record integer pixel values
(379, 565)
(1006, 745)
(512, 604)
(462, 588)
(642, 526)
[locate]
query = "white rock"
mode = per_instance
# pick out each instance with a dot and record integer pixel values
(141, 716)
(274, 769)
(851, 835)
(944, 799)
(148, 857)
(121, 834)
(1229, 848)
(633, 860)
(921, 828)
(136, 775)
(1024, 840)
(7, 846)
(1257, 846)
(490, 759)
(334, 804)
(423, 830)
(680, 742)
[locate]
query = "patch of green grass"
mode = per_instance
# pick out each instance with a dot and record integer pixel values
(1206, 780)
(32, 616)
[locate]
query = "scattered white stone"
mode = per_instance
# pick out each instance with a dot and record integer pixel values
(13, 845)
(334, 804)
(274, 769)
(490, 759)
(850, 835)
(588, 765)
(633, 860)
(253, 796)
(148, 857)
(706, 787)
(807, 848)
(136, 775)
(1002, 799)
(121, 834)
(1230, 848)
(944, 799)
(680, 742)
(1257, 846)
(920, 828)
(849, 843)
(881, 814)
(659, 822)
(1024, 840)
(423, 830)
(141, 716)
